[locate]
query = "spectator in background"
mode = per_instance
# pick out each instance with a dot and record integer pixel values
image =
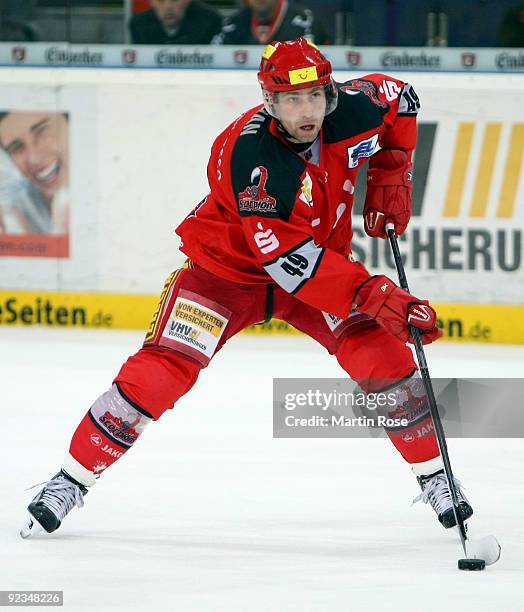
(16, 20)
(262, 21)
(511, 30)
(175, 22)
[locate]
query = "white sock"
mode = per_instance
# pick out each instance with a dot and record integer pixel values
(425, 468)
(78, 471)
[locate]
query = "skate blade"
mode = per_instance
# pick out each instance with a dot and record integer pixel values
(31, 528)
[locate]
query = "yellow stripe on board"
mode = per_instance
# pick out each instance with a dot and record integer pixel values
(497, 323)
(459, 168)
(490, 145)
(512, 170)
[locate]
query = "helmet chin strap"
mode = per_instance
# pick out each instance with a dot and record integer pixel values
(282, 130)
(293, 141)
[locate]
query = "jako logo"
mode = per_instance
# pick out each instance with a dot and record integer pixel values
(111, 451)
(96, 440)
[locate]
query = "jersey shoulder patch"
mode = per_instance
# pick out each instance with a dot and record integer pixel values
(365, 86)
(265, 174)
(359, 110)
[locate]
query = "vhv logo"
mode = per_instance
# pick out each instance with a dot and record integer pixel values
(18, 54)
(353, 58)
(469, 60)
(365, 148)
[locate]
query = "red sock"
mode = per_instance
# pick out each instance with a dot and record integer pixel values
(107, 431)
(416, 441)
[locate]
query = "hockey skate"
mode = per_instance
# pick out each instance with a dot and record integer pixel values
(50, 506)
(435, 491)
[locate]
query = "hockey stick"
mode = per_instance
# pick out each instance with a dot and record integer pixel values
(424, 372)
(486, 550)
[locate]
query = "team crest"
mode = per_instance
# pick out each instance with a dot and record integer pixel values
(240, 56)
(469, 60)
(353, 58)
(18, 54)
(129, 56)
(255, 200)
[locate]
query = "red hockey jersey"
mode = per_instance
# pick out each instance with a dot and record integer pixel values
(272, 216)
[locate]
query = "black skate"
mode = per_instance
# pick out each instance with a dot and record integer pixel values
(49, 508)
(435, 490)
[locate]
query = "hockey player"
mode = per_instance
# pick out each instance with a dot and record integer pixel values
(273, 238)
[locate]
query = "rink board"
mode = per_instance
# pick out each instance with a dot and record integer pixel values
(463, 249)
(489, 323)
(138, 153)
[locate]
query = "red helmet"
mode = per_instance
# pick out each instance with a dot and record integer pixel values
(295, 64)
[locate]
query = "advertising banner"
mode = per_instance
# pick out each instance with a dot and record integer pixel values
(136, 153)
(466, 232)
(34, 183)
(425, 59)
(47, 186)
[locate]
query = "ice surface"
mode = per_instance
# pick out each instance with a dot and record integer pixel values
(209, 512)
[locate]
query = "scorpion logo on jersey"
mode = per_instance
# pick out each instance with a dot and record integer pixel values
(367, 87)
(255, 200)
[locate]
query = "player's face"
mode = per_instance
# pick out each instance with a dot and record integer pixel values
(170, 12)
(38, 143)
(302, 112)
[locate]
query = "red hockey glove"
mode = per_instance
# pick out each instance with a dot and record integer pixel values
(388, 195)
(396, 309)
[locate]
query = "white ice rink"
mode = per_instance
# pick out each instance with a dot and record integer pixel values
(209, 512)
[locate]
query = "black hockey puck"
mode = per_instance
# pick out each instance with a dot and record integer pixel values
(472, 565)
